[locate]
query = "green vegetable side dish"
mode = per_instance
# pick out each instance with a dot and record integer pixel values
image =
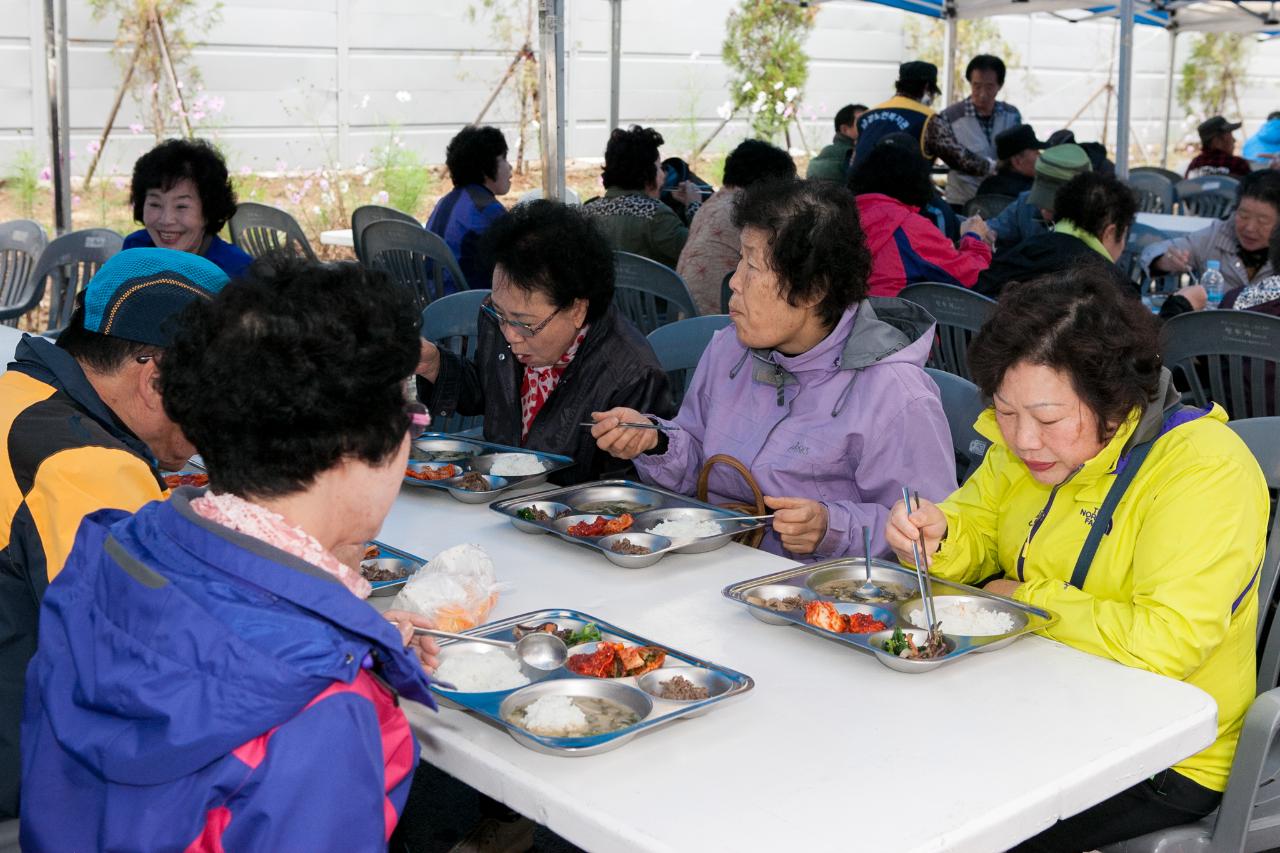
(589, 634)
(525, 514)
(897, 643)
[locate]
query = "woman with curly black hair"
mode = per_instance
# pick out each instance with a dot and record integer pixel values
(820, 390)
(477, 162)
(630, 214)
(1141, 523)
(552, 348)
(244, 695)
(182, 195)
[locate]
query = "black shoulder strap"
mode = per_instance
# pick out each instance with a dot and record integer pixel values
(1103, 519)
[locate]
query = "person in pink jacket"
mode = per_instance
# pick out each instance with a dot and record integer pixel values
(817, 389)
(892, 184)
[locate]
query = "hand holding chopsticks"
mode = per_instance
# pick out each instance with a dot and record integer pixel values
(919, 523)
(624, 433)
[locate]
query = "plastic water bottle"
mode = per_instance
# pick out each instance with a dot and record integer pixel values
(1214, 284)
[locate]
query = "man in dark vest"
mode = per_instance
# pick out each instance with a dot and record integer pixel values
(908, 111)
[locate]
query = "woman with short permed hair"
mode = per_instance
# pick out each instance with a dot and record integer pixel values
(182, 195)
(477, 161)
(817, 388)
(1139, 522)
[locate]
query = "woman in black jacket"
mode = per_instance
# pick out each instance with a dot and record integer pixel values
(551, 349)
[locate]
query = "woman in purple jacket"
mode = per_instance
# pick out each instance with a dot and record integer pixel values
(819, 390)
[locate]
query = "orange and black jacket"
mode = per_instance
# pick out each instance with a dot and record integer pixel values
(66, 455)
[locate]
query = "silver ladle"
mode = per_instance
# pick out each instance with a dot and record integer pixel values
(868, 590)
(541, 650)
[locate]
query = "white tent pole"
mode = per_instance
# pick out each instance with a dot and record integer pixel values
(55, 47)
(1168, 98)
(1125, 94)
(949, 54)
(551, 66)
(615, 62)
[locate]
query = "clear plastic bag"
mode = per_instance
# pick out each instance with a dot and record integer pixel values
(456, 590)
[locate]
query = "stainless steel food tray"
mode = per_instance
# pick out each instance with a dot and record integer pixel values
(477, 456)
(659, 503)
(803, 580)
(725, 684)
(411, 562)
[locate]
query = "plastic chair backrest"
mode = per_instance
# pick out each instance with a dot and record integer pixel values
(261, 228)
(21, 242)
(1227, 357)
(364, 216)
(69, 262)
(959, 312)
(1174, 177)
(1140, 236)
(962, 403)
(1262, 435)
(413, 256)
(1212, 195)
(452, 323)
(679, 347)
(648, 293)
(1155, 192)
(988, 206)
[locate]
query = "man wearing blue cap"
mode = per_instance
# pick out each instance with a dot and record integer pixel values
(84, 430)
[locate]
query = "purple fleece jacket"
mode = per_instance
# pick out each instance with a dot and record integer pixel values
(848, 423)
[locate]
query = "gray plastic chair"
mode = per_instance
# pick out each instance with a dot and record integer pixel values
(21, 242)
(69, 262)
(960, 314)
(452, 323)
(962, 403)
(1154, 191)
(261, 228)
(679, 347)
(1212, 195)
(413, 256)
(1263, 437)
(1227, 357)
(648, 293)
(364, 216)
(1141, 236)
(1173, 176)
(988, 206)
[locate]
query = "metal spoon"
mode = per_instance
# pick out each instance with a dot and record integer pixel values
(541, 650)
(868, 589)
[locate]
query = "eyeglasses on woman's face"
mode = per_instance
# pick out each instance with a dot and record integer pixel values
(523, 329)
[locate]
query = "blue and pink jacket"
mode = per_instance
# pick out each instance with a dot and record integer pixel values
(195, 689)
(906, 248)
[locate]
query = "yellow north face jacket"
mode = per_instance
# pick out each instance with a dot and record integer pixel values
(1173, 586)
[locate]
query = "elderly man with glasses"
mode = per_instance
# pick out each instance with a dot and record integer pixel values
(551, 347)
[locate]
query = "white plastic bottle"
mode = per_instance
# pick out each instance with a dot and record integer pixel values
(1215, 286)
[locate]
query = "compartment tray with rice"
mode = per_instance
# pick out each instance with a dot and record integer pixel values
(598, 701)
(965, 613)
(435, 454)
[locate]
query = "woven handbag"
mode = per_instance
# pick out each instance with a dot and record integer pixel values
(752, 538)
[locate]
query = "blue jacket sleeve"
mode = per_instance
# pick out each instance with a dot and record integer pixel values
(302, 797)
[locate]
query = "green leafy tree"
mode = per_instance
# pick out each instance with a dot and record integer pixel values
(926, 40)
(764, 50)
(1212, 74)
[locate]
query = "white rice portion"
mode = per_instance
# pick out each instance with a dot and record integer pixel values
(554, 716)
(474, 672)
(687, 529)
(516, 465)
(965, 619)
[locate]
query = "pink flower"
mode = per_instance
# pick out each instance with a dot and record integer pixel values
(246, 171)
(46, 174)
(135, 128)
(216, 104)
(381, 197)
(75, 201)
(93, 147)
(281, 165)
(198, 115)
(296, 198)
(119, 182)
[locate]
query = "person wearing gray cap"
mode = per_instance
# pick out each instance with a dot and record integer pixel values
(909, 111)
(1031, 214)
(1218, 151)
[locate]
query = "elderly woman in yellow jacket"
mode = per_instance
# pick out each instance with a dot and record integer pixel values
(1140, 522)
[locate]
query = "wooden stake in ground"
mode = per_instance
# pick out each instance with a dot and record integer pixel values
(111, 116)
(157, 31)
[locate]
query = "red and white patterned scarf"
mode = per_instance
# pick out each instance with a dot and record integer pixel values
(270, 527)
(539, 382)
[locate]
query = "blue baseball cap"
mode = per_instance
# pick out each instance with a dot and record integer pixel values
(138, 293)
